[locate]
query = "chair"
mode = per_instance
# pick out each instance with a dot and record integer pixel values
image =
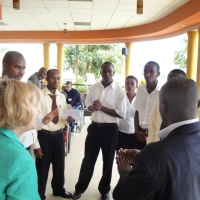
(86, 112)
(79, 124)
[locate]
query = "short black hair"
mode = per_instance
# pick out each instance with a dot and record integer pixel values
(107, 63)
(133, 77)
(50, 70)
(154, 63)
(178, 71)
(68, 83)
(9, 55)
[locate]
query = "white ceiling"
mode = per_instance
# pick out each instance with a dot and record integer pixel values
(50, 15)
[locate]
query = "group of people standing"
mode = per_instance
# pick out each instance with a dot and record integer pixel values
(120, 123)
(20, 180)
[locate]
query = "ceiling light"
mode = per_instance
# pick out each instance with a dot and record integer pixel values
(82, 23)
(16, 4)
(65, 30)
(139, 7)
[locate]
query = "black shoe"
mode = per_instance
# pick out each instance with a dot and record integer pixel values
(76, 195)
(63, 194)
(105, 197)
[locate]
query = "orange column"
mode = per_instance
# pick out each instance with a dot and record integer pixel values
(192, 54)
(46, 55)
(198, 62)
(129, 60)
(60, 63)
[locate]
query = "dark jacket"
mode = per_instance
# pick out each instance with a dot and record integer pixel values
(165, 170)
(73, 97)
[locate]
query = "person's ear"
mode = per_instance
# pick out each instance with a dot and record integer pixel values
(5, 66)
(163, 107)
(158, 74)
(113, 72)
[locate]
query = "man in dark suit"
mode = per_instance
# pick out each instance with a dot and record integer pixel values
(73, 98)
(167, 169)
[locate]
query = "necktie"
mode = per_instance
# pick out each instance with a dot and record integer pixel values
(54, 106)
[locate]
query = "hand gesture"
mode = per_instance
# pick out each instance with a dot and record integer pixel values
(96, 105)
(122, 161)
(49, 117)
(131, 153)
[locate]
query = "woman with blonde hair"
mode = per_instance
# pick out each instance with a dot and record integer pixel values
(19, 107)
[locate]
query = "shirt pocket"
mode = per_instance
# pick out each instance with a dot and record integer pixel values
(112, 103)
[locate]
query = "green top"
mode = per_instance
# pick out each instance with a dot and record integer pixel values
(18, 178)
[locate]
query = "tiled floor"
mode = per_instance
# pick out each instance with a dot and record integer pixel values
(73, 163)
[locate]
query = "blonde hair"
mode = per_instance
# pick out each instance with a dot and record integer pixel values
(15, 100)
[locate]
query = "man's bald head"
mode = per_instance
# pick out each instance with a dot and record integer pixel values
(178, 100)
(42, 72)
(13, 65)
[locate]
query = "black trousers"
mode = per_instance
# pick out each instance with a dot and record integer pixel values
(53, 152)
(129, 141)
(104, 138)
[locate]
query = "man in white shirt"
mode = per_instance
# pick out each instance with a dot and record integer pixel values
(107, 102)
(127, 138)
(167, 169)
(156, 121)
(146, 99)
(51, 138)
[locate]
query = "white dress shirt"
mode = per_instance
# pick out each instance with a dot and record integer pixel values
(29, 137)
(112, 97)
(145, 104)
(45, 107)
(166, 131)
(154, 125)
(126, 125)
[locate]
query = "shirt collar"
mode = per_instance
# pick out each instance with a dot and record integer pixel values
(10, 134)
(113, 84)
(158, 87)
(47, 92)
(166, 131)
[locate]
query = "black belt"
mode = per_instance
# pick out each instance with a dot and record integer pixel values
(103, 124)
(52, 132)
